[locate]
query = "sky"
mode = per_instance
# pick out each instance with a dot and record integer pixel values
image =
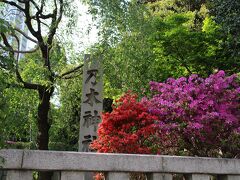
(84, 38)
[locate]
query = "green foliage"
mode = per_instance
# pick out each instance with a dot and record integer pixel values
(18, 105)
(20, 145)
(19, 121)
(158, 40)
(3, 107)
(158, 43)
(226, 14)
(3, 26)
(33, 69)
(19, 118)
(183, 46)
(66, 117)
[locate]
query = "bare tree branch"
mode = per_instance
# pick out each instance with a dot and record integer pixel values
(42, 5)
(13, 4)
(35, 33)
(18, 45)
(25, 35)
(43, 16)
(56, 18)
(5, 41)
(71, 71)
(71, 77)
(22, 1)
(19, 77)
(45, 24)
(38, 19)
(35, 5)
(55, 21)
(19, 51)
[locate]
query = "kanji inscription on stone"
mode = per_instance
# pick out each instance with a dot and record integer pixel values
(91, 106)
(92, 97)
(91, 120)
(87, 140)
(92, 74)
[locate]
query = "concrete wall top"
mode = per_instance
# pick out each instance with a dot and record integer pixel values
(80, 161)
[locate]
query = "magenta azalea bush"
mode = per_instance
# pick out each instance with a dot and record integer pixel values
(198, 116)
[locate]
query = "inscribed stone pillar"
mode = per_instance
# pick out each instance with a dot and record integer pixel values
(92, 102)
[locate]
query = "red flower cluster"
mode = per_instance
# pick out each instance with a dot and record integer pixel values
(129, 128)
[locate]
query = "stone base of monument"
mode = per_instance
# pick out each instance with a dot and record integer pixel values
(57, 175)
(89, 176)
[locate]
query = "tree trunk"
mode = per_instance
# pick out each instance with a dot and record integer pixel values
(44, 124)
(42, 119)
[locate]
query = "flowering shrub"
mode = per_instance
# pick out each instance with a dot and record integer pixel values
(129, 128)
(201, 116)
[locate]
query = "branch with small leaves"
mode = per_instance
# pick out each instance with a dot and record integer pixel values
(68, 74)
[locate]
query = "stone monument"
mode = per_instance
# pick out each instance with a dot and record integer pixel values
(92, 101)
